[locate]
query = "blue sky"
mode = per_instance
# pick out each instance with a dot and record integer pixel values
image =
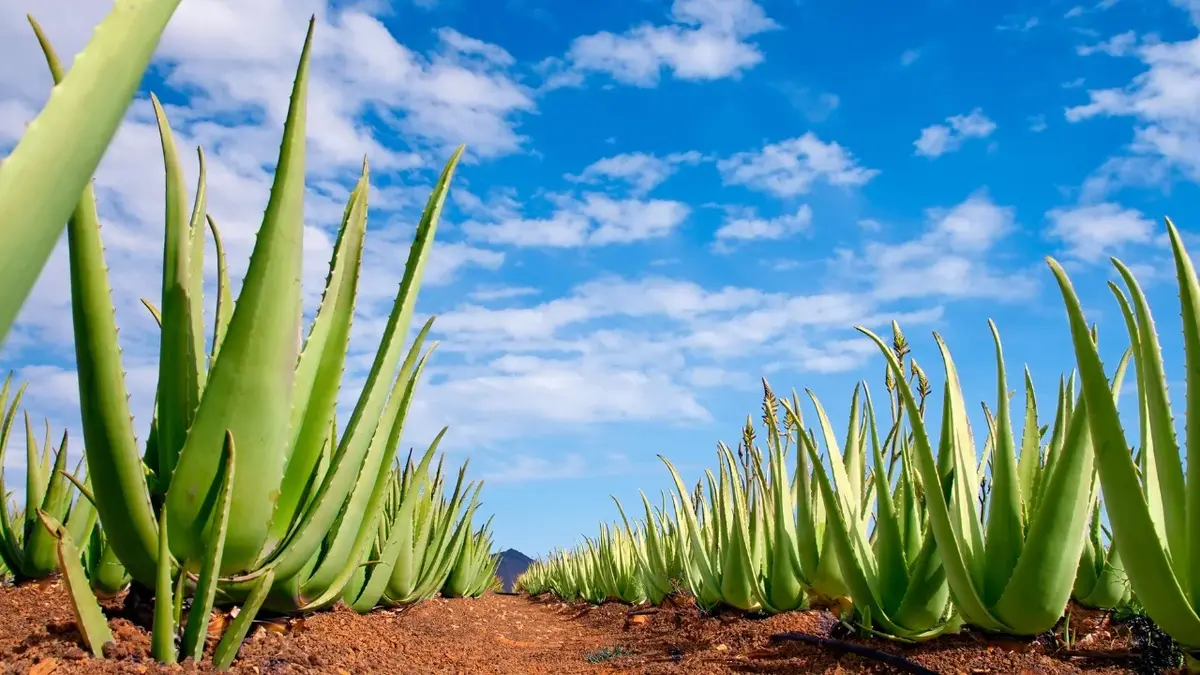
(662, 203)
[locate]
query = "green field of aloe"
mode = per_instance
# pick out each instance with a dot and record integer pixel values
(250, 491)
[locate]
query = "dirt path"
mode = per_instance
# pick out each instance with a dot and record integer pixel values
(508, 635)
(493, 634)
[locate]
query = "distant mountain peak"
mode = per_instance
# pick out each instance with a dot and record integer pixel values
(513, 564)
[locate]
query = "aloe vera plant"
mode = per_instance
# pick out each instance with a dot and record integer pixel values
(419, 539)
(56, 156)
(474, 570)
(1153, 504)
(1015, 572)
(26, 549)
(251, 384)
(896, 580)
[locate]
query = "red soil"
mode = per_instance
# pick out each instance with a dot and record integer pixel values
(512, 635)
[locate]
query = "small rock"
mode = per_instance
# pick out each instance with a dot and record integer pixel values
(721, 647)
(216, 624)
(44, 667)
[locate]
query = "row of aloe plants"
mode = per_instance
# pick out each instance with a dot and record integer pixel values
(920, 527)
(246, 491)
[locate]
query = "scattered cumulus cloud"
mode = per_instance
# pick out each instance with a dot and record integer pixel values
(1118, 45)
(953, 257)
(1019, 25)
(1163, 101)
(791, 167)
(939, 139)
(705, 40)
(640, 171)
(591, 220)
(748, 225)
(1091, 232)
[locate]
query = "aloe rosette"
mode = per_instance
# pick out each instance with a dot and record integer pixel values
(474, 570)
(1014, 571)
(894, 575)
(419, 538)
(251, 385)
(26, 548)
(1153, 504)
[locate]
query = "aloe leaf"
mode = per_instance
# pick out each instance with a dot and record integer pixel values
(1189, 298)
(1147, 561)
(61, 148)
(178, 384)
(82, 519)
(1162, 427)
(206, 586)
(235, 634)
(195, 281)
(319, 372)
(224, 308)
(162, 637)
(958, 574)
(1147, 464)
(249, 390)
(35, 479)
(1030, 460)
(1005, 530)
(39, 542)
(89, 617)
(10, 541)
(123, 501)
(356, 440)
(365, 503)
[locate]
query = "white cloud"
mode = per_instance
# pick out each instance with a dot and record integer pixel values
(1164, 102)
(938, 139)
(706, 40)
(1102, 5)
(748, 225)
(492, 293)
(617, 349)
(1020, 25)
(791, 167)
(952, 258)
(909, 57)
(1118, 45)
(1093, 231)
(527, 468)
(1037, 124)
(641, 171)
(591, 220)
(815, 106)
